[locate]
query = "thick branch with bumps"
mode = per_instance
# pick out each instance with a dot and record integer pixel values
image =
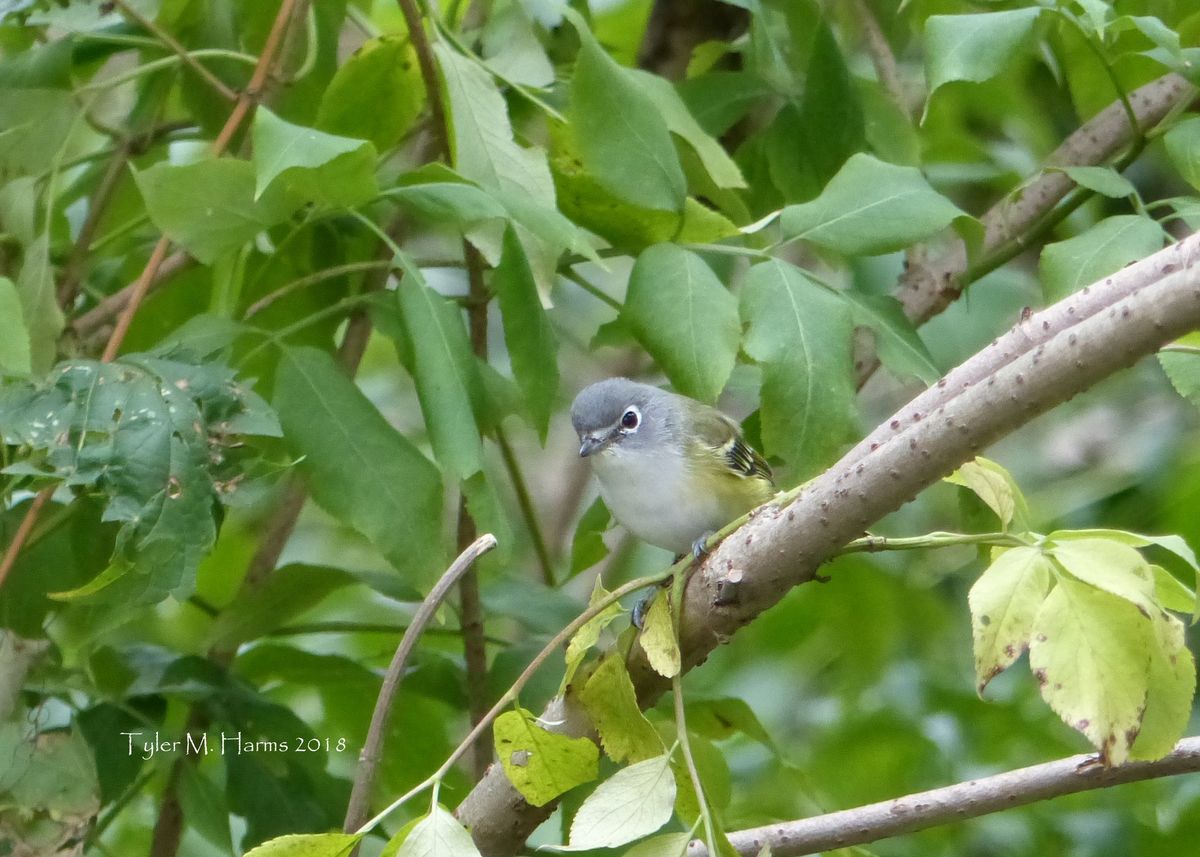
(958, 802)
(1043, 361)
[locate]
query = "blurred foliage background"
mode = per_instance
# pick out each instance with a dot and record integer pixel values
(860, 689)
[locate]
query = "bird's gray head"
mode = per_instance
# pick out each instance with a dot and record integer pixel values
(621, 414)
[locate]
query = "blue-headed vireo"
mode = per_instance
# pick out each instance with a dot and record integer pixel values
(672, 470)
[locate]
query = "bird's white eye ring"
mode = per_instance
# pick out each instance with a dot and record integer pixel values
(631, 418)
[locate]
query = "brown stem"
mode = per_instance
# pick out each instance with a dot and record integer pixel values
(470, 602)
(881, 56)
(955, 803)
(68, 286)
(429, 73)
(23, 530)
(92, 322)
(372, 751)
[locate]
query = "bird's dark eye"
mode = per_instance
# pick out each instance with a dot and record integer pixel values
(630, 419)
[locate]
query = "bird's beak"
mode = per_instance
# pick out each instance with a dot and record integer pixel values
(590, 443)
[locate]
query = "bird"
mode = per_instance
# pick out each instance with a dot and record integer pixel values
(672, 470)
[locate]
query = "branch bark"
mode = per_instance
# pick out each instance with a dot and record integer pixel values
(958, 802)
(1045, 360)
(927, 289)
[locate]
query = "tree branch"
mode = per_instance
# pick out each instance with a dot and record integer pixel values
(372, 751)
(926, 290)
(971, 799)
(1044, 361)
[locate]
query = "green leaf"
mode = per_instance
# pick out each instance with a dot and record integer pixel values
(896, 340)
(1172, 687)
(588, 635)
(801, 334)
(633, 802)
(1091, 655)
(531, 343)
(511, 48)
(438, 835)
(720, 719)
(473, 212)
(14, 338)
(973, 47)
(209, 207)
(1183, 149)
(1004, 603)
(1102, 180)
(203, 806)
(376, 95)
(623, 139)
(307, 845)
(664, 845)
(588, 548)
(1171, 593)
(361, 470)
(870, 207)
(685, 318)
(807, 143)
(288, 592)
(542, 765)
(1067, 266)
(1183, 369)
(658, 639)
(612, 705)
(314, 165)
(716, 162)
(1109, 565)
(42, 316)
(448, 382)
(995, 486)
(482, 136)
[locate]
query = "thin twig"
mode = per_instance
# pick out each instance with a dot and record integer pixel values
(881, 56)
(68, 286)
(372, 751)
(183, 53)
(94, 320)
(23, 530)
(470, 601)
(317, 277)
(525, 501)
(981, 796)
(429, 73)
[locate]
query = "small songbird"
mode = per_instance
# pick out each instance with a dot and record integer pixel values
(672, 470)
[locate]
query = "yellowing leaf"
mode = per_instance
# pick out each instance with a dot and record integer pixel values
(541, 764)
(1172, 686)
(1091, 655)
(996, 488)
(609, 698)
(1109, 565)
(1004, 602)
(307, 845)
(589, 634)
(658, 637)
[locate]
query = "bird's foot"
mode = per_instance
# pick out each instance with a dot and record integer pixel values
(700, 545)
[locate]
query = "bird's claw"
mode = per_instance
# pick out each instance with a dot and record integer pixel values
(700, 545)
